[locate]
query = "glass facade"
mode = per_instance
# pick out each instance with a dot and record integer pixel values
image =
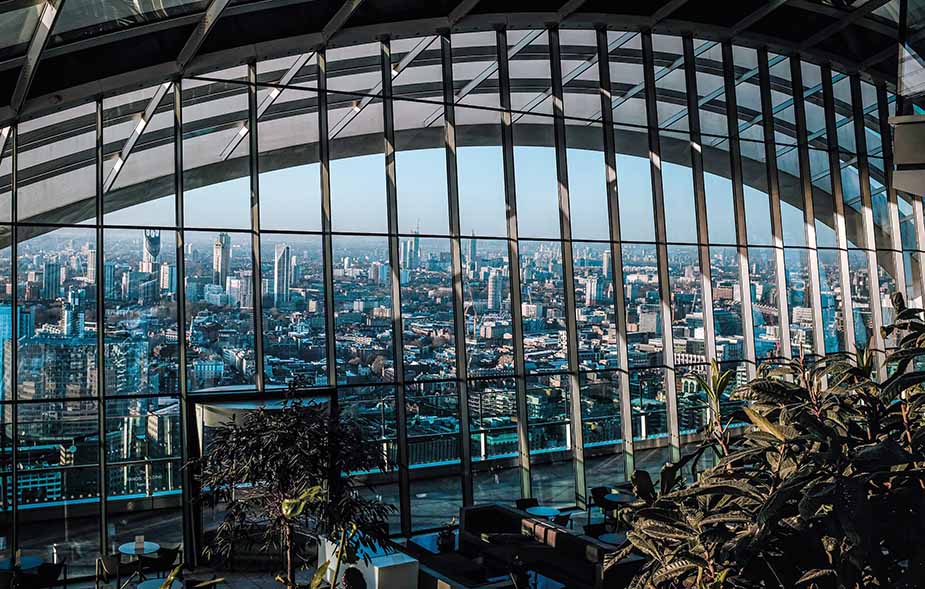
(507, 253)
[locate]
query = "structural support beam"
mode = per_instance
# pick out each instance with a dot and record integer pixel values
(616, 252)
(199, 34)
(845, 21)
(777, 231)
(757, 15)
(738, 204)
(809, 215)
(886, 148)
(339, 19)
(327, 246)
(568, 270)
(513, 254)
(841, 233)
(50, 11)
(256, 265)
(665, 11)
(661, 248)
(136, 133)
(459, 302)
(462, 9)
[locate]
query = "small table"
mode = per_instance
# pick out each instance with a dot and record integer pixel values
(542, 511)
(615, 538)
(129, 549)
(156, 584)
(25, 563)
(620, 498)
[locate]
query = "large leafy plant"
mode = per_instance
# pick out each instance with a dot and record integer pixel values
(285, 477)
(826, 491)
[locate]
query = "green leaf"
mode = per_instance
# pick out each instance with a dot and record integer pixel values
(814, 574)
(763, 424)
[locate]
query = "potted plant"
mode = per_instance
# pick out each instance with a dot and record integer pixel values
(825, 491)
(446, 537)
(286, 474)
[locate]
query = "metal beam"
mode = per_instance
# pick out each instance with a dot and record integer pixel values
(485, 74)
(267, 102)
(460, 12)
(43, 29)
(370, 94)
(616, 252)
(825, 9)
(846, 20)
(199, 34)
(135, 135)
(339, 19)
(665, 11)
(757, 15)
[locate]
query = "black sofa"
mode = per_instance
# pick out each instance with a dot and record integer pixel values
(507, 535)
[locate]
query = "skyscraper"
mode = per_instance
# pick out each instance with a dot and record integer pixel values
(281, 275)
(168, 277)
(221, 259)
(152, 249)
(495, 290)
(51, 280)
(605, 261)
(110, 287)
(472, 251)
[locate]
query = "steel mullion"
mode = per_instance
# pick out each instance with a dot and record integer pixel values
(661, 248)
(327, 247)
(404, 491)
(568, 268)
(867, 217)
(100, 333)
(616, 250)
(919, 223)
(841, 234)
(513, 252)
(700, 198)
(191, 523)
(256, 267)
(738, 205)
(14, 331)
(774, 195)
(459, 317)
(809, 214)
(886, 145)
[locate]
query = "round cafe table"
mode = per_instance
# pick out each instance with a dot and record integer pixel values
(25, 563)
(615, 538)
(620, 498)
(129, 549)
(156, 584)
(542, 511)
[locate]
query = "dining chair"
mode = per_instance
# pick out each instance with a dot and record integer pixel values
(526, 502)
(109, 569)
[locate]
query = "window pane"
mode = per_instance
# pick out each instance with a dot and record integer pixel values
(219, 310)
(57, 350)
(363, 309)
(427, 308)
(139, 284)
(293, 309)
(765, 310)
(643, 306)
(487, 305)
(543, 306)
(594, 302)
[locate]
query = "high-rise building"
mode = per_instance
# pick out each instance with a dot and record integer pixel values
(168, 278)
(605, 263)
(221, 259)
(495, 290)
(111, 289)
(51, 281)
(473, 252)
(281, 274)
(151, 250)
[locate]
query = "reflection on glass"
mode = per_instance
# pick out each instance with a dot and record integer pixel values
(293, 309)
(219, 310)
(362, 309)
(487, 307)
(139, 283)
(57, 314)
(427, 308)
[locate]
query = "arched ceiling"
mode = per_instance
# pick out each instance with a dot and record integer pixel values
(59, 52)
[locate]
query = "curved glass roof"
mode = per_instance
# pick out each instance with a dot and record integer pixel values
(46, 45)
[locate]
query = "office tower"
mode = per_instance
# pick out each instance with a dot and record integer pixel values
(375, 272)
(72, 320)
(605, 263)
(495, 290)
(91, 265)
(168, 280)
(151, 250)
(594, 291)
(51, 281)
(281, 274)
(473, 251)
(221, 259)
(110, 287)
